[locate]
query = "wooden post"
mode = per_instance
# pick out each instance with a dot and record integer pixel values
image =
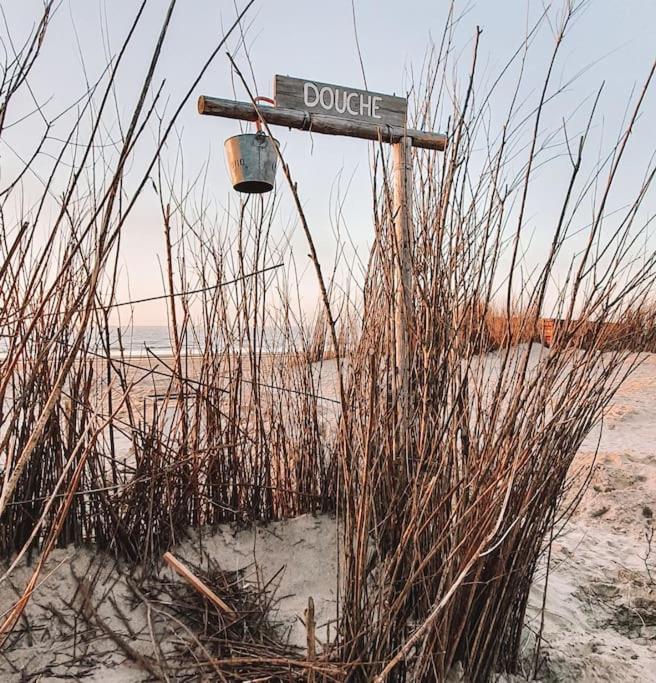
(402, 157)
(310, 628)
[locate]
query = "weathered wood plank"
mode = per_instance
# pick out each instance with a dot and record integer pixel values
(318, 123)
(340, 101)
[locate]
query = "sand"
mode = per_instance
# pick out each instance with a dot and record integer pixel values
(296, 558)
(600, 617)
(298, 555)
(600, 620)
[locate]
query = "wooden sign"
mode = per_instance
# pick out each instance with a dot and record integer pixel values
(339, 101)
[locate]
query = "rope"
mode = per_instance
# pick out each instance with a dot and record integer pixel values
(258, 121)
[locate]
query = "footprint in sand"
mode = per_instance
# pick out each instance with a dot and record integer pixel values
(616, 413)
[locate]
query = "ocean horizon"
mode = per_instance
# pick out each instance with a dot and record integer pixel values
(139, 341)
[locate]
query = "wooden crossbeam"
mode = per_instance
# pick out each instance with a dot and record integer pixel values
(319, 123)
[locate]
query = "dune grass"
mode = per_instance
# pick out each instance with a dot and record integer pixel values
(446, 490)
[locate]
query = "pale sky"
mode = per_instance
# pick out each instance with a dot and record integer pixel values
(611, 41)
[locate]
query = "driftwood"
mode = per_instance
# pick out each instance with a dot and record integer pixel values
(197, 584)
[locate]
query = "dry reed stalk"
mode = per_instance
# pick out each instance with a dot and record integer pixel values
(443, 527)
(442, 536)
(50, 391)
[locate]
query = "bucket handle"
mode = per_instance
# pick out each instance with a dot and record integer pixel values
(261, 98)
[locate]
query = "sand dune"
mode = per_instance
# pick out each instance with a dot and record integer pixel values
(600, 620)
(600, 614)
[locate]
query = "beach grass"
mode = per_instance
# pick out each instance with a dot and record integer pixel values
(446, 485)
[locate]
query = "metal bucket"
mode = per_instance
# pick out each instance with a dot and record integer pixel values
(251, 159)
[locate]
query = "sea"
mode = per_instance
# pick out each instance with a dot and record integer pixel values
(144, 340)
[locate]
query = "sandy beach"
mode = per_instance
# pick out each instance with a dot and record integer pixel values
(337, 375)
(600, 616)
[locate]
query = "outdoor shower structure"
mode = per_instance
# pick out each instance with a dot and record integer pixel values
(309, 105)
